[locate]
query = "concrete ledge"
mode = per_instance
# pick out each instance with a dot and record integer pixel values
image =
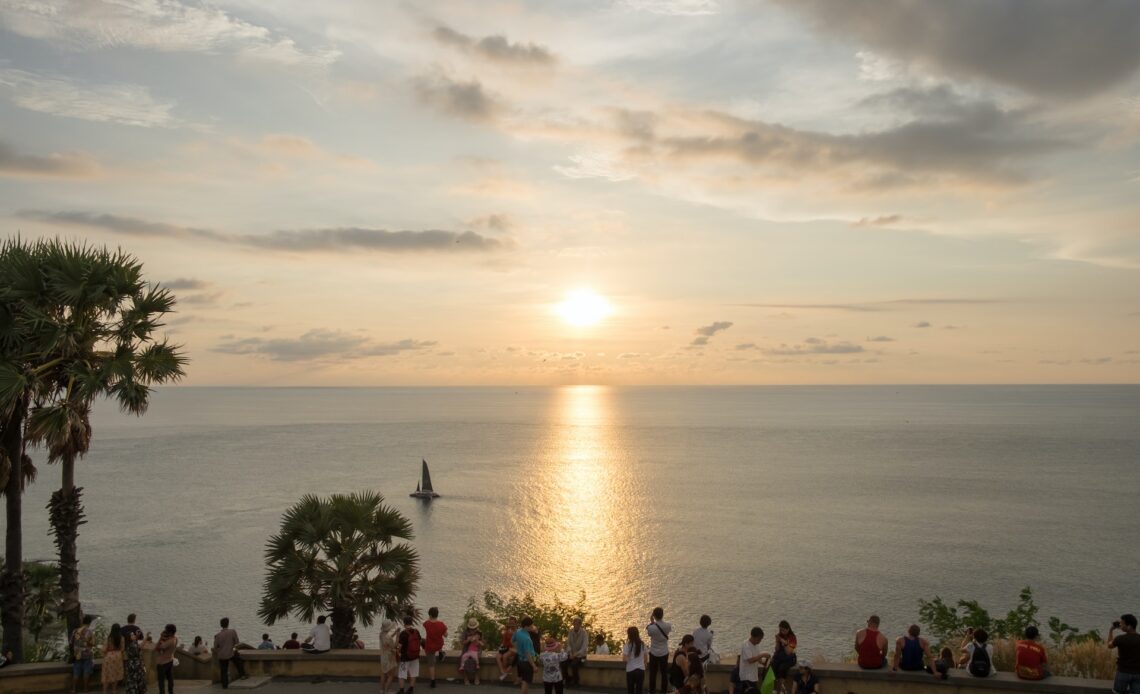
(600, 672)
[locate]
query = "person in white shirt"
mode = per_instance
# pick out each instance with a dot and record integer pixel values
(320, 638)
(658, 632)
(751, 659)
(703, 638)
(635, 655)
(601, 647)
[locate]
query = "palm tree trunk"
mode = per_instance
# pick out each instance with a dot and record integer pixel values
(12, 583)
(66, 516)
(343, 622)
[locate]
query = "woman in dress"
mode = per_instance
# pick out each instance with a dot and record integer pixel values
(134, 672)
(112, 670)
(635, 655)
(389, 655)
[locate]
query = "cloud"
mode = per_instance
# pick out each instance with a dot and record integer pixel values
(495, 48)
(465, 100)
(159, 25)
(705, 332)
(921, 324)
(344, 239)
(122, 103)
(1097, 361)
(186, 283)
(882, 221)
(499, 221)
(744, 346)
(682, 8)
(596, 165)
(856, 308)
(880, 338)
(319, 344)
(1027, 44)
(877, 306)
(54, 165)
(629, 355)
(815, 345)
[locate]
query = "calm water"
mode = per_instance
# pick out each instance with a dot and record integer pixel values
(814, 504)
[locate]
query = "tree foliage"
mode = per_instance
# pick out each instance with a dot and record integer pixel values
(340, 554)
(554, 619)
(947, 624)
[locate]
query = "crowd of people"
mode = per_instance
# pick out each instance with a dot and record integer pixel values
(523, 652)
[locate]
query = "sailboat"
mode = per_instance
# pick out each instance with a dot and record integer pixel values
(423, 487)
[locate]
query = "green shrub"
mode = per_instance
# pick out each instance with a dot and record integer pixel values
(553, 619)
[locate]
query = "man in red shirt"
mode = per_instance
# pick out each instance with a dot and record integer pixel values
(435, 632)
(871, 645)
(1031, 658)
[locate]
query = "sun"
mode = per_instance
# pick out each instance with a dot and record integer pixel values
(583, 308)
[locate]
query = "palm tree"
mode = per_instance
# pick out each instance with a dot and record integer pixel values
(92, 319)
(339, 555)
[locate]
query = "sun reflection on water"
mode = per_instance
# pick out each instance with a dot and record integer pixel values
(589, 534)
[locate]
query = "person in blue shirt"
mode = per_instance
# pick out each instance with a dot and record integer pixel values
(524, 647)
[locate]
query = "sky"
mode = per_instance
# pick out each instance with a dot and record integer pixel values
(761, 191)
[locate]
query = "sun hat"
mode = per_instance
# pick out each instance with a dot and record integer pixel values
(551, 644)
(805, 664)
(472, 623)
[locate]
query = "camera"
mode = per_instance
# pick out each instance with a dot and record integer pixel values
(1116, 624)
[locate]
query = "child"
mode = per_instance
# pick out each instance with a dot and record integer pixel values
(472, 645)
(944, 663)
(552, 658)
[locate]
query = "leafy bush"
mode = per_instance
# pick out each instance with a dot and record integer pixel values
(947, 625)
(553, 619)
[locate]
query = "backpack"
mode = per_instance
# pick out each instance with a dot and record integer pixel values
(412, 644)
(979, 661)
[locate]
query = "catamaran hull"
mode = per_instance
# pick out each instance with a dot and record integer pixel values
(424, 495)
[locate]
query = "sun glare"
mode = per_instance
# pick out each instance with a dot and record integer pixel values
(583, 308)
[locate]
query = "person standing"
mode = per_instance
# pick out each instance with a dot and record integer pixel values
(225, 646)
(635, 655)
(164, 658)
(83, 653)
(871, 645)
(320, 638)
(112, 670)
(751, 660)
(525, 654)
(552, 658)
(435, 632)
(1127, 646)
(577, 643)
(389, 655)
(410, 645)
(658, 630)
(703, 638)
(132, 628)
(134, 673)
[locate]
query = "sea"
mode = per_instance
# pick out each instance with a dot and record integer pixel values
(818, 505)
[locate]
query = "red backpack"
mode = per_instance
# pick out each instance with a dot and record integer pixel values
(411, 644)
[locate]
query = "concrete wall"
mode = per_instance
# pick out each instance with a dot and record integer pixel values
(601, 672)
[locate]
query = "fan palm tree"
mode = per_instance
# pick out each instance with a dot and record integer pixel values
(339, 554)
(91, 325)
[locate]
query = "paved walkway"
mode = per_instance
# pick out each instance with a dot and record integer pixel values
(351, 687)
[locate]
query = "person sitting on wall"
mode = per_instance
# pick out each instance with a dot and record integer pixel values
(806, 682)
(1031, 662)
(978, 656)
(871, 645)
(320, 638)
(912, 653)
(292, 644)
(266, 643)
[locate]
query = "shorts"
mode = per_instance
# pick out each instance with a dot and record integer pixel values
(83, 668)
(503, 649)
(409, 670)
(526, 671)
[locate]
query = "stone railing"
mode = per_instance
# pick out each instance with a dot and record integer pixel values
(600, 672)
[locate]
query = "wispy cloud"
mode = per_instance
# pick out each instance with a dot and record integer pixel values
(882, 221)
(320, 345)
(880, 338)
(159, 25)
(683, 8)
(706, 332)
(462, 99)
(343, 239)
(55, 165)
(815, 345)
(126, 104)
(495, 48)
